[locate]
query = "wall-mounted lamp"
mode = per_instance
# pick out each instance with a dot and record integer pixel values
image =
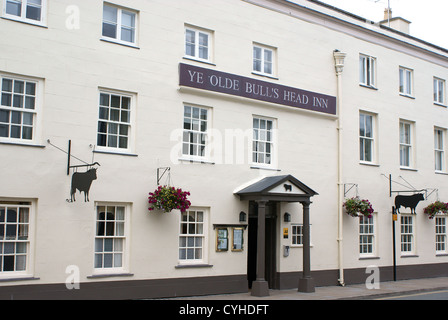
(242, 216)
(287, 217)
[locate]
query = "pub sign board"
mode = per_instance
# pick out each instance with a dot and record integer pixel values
(217, 81)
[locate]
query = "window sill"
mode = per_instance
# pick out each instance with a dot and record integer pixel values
(408, 169)
(18, 278)
(125, 44)
(29, 22)
(198, 60)
(109, 275)
(440, 104)
(264, 168)
(441, 172)
(445, 254)
(369, 258)
(202, 265)
(409, 255)
(116, 153)
(368, 87)
(264, 75)
(195, 160)
(407, 96)
(370, 164)
(22, 144)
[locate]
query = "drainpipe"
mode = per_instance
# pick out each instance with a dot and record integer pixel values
(339, 66)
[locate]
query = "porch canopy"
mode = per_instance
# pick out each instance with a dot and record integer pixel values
(285, 188)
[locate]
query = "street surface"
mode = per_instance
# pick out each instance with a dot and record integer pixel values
(429, 295)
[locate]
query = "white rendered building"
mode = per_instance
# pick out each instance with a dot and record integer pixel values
(256, 107)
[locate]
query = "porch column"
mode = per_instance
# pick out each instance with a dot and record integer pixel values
(260, 287)
(306, 283)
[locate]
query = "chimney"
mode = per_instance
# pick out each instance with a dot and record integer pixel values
(387, 13)
(396, 23)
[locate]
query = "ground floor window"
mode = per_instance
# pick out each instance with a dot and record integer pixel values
(441, 235)
(110, 239)
(297, 234)
(14, 237)
(192, 237)
(407, 234)
(366, 236)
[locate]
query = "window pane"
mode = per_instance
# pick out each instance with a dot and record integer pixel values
(128, 19)
(127, 35)
(33, 13)
(14, 8)
(109, 30)
(110, 14)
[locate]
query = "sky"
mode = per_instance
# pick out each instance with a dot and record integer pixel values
(429, 17)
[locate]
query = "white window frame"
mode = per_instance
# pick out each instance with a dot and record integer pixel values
(192, 133)
(263, 61)
(367, 236)
(406, 81)
(439, 149)
(35, 99)
(297, 235)
(120, 238)
(365, 138)
(28, 244)
(24, 4)
(193, 236)
(116, 123)
(441, 243)
(264, 136)
(367, 71)
(407, 146)
(407, 234)
(196, 43)
(439, 91)
(119, 25)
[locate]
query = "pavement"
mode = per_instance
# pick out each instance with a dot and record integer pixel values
(348, 292)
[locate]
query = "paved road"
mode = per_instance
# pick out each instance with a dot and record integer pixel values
(429, 295)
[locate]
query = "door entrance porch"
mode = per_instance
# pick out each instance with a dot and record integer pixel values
(264, 192)
(270, 244)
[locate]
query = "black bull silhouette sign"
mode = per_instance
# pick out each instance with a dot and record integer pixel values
(82, 181)
(408, 201)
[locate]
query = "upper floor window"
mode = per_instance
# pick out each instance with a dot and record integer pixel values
(263, 141)
(195, 131)
(439, 91)
(263, 60)
(198, 44)
(366, 137)
(119, 24)
(439, 149)
(367, 74)
(31, 11)
(114, 123)
(406, 79)
(406, 144)
(18, 109)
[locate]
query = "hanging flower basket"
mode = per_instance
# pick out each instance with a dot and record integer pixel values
(356, 207)
(168, 198)
(436, 207)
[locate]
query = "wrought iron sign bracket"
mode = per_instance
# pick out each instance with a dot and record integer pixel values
(160, 174)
